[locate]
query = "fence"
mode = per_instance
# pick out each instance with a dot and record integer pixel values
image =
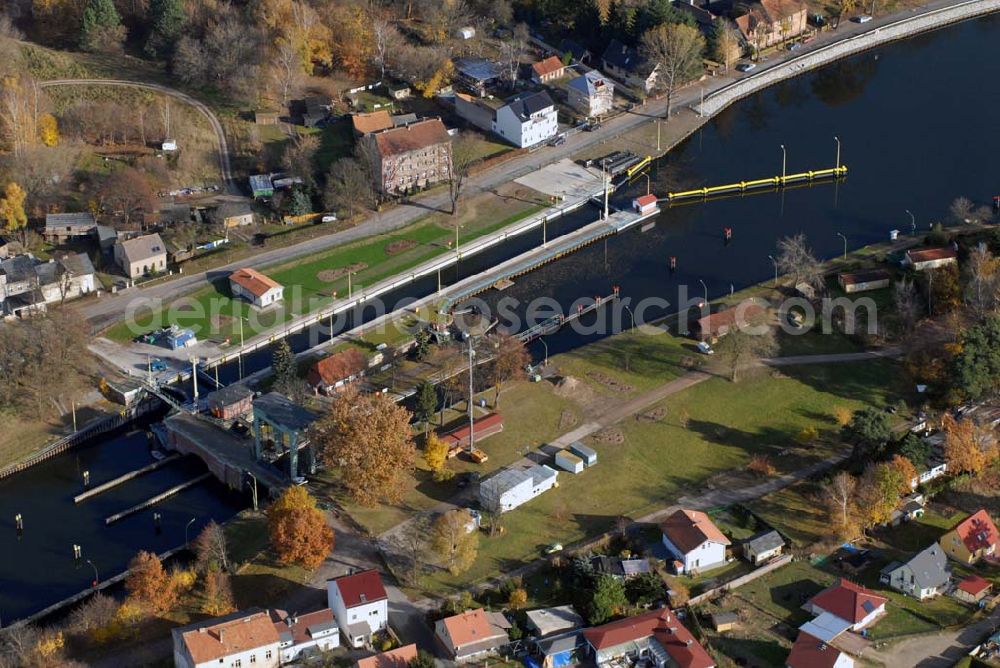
(72, 440)
(742, 580)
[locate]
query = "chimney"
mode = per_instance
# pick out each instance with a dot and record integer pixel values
(688, 642)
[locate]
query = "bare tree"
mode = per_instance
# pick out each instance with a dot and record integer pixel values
(982, 281)
(904, 297)
(510, 53)
(839, 493)
(961, 210)
(727, 43)
(385, 37)
(678, 50)
(750, 339)
(299, 156)
(463, 157)
(348, 187)
(796, 258)
(287, 69)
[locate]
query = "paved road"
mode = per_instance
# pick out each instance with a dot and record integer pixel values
(225, 168)
(936, 650)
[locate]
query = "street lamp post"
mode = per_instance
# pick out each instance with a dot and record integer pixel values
(845, 243)
(351, 273)
(97, 577)
(648, 187)
(784, 162)
(913, 221)
(253, 490)
(706, 289)
(472, 423)
(186, 527)
(630, 315)
(545, 362)
(837, 139)
(239, 354)
(194, 378)
(775, 263)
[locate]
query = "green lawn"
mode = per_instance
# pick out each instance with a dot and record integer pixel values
(796, 512)
(781, 593)
(215, 315)
(658, 462)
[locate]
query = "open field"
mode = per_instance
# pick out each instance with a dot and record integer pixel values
(313, 283)
(705, 431)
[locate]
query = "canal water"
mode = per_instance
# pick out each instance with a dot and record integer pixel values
(918, 127)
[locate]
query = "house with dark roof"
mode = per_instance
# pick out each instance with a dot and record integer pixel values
(591, 94)
(360, 604)
(694, 542)
(477, 74)
(972, 540)
(60, 227)
(578, 52)
(843, 606)
(336, 372)
(763, 547)
(626, 64)
(141, 256)
(300, 636)
(812, 652)
(656, 636)
(230, 402)
(412, 156)
(926, 574)
(527, 119)
(472, 634)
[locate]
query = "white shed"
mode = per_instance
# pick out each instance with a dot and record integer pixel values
(588, 455)
(569, 462)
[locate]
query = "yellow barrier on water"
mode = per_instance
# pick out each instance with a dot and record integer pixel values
(772, 182)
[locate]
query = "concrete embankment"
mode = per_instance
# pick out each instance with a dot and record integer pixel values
(901, 29)
(131, 475)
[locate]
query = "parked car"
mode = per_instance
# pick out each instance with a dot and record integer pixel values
(864, 18)
(329, 218)
(553, 548)
(157, 365)
(557, 140)
(746, 67)
(794, 46)
(705, 348)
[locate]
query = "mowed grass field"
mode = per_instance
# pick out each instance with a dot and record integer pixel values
(658, 462)
(215, 315)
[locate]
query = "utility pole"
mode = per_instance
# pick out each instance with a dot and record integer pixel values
(604, 182)
(194, 378)
(472, 423)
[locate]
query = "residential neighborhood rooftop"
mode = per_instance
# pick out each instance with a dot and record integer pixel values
(361, 588)
(687, 529)
(228, 635)
(253, 281)
(411, 137)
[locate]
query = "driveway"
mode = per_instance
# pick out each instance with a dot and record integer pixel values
(936, 650)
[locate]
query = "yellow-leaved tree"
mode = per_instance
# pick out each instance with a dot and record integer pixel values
(48, 130)
(12, 215)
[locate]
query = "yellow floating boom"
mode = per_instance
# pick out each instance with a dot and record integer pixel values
(637, 166)
(743, 186)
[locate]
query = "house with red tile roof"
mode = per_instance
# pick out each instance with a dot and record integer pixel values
(304, 634)
(360, 605)
(394, 658)
(472, 634)
(656, 635)
(242, 638)
(973, 589)
(811, 652)
(929, 258)
(972, 540)
(694, 541)
(846, 605)
(333, 374)
(547, 70)
(255, 287)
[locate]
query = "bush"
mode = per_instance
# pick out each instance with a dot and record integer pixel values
(807, 435)
(761, 465)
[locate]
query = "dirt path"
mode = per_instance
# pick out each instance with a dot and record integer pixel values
(935, 650)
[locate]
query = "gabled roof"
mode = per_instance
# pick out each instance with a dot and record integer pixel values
(72, 219)
(360, 588)
(19, 268)
(548, 66)
(848, 600)
(590, 83)
(974, 585)
(253, 281)
(661, 625)
(330, 370)
(977, 531)
(644, 200)
(303, 628)
(929, 567)
(525, 104)
(412, 137)
(280, 410)
(624, 57)
(811, 652)
(395, 658)
(473, 626)
(225, 636)
(687, 529)
(864, 276)
(143, 248)
(765, 541)
(930, 254)
(373, 122)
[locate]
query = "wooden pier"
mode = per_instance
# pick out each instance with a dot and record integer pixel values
(156, 499)
(131, 475)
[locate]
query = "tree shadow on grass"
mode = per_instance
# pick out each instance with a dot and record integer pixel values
(791, 596)
(766, 439)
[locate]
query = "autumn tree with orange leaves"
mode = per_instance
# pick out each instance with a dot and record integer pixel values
(968, 447)
(907, 472)
(148, 584)
(299, 532)
(368, 436)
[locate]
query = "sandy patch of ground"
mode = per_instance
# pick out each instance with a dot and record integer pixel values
(610, 436)
(331, 275)
(399, 246)
(609, 382)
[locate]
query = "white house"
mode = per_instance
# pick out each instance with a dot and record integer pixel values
(246, 639)
(591, 94)
(360, 605)
(509, 488)
(929, 258)
(255, 287)
(306, 634)
(926, 574)
(694, 541)
(841, 607)
(527, 119)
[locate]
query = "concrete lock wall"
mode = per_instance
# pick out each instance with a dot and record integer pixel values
(894, 31)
